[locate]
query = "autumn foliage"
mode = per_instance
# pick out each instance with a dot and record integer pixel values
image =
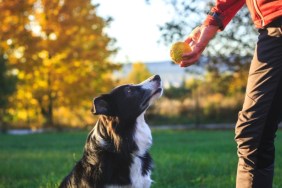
(59, 52)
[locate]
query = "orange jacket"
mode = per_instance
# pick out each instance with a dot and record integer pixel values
(262, 12)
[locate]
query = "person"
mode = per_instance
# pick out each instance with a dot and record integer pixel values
(261, 112)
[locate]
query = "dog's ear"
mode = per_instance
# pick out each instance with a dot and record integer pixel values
(102, 106)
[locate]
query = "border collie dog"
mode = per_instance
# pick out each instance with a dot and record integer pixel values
(116, 150)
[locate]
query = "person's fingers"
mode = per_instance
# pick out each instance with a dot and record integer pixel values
(194, 35)
(187, 56)
(192, 57)
(189, 59)
(188, 40)
(187, 64)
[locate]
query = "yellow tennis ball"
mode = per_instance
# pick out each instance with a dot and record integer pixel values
(177, 50)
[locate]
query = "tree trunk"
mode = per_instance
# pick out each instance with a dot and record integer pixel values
(47, 111)
(3, 124)
(48, 114)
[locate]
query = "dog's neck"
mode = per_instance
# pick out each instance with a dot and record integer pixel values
(106, 130)
(143, 136)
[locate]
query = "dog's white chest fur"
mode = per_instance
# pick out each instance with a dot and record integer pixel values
(137, 179)
(143, 138)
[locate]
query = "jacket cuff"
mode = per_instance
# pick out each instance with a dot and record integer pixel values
(212, 21)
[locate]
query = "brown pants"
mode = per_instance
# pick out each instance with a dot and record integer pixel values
(262, 110)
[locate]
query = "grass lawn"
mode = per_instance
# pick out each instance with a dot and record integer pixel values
(199, 159)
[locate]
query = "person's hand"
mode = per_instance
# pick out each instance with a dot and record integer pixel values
(198, 40)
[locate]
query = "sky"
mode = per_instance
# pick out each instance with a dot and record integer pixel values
(135, 27)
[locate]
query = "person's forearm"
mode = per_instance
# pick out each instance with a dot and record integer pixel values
(226, 9)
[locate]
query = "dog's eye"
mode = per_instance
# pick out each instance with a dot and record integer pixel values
(128, 90)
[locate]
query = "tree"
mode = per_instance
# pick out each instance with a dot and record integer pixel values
(62, 58)
(7, 88)
(138, 73)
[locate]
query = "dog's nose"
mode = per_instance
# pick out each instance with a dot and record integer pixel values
(156, 78)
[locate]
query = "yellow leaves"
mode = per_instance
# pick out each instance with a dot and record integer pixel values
(63, 116)
(19, 52)
(92, 37)
(138, 73)
(9, 42)
(61, 60)
(21, 75)
(70, 31)
(43, 54)
(77, 63)
(47, 63)
(51, 62)
(11, 19)
(40, 84)
(53, 36)
(24, 94)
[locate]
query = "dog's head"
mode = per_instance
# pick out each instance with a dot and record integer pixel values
(129, 101)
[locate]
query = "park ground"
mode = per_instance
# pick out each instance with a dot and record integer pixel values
(183, 158)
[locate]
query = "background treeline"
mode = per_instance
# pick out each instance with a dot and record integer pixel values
(54, 58)
(215, 98)
(209, 97)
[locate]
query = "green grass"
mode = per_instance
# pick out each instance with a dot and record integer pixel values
(199, 159)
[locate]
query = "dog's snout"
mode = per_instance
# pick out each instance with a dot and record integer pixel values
(156, 78)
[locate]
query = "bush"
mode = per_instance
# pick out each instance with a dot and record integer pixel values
(215, 108)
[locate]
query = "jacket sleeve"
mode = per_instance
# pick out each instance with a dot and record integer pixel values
(226, 9)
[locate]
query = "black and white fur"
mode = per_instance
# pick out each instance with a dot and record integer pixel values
(116, 150)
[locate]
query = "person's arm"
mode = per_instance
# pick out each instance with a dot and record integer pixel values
(226, 10)
(199, 38)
